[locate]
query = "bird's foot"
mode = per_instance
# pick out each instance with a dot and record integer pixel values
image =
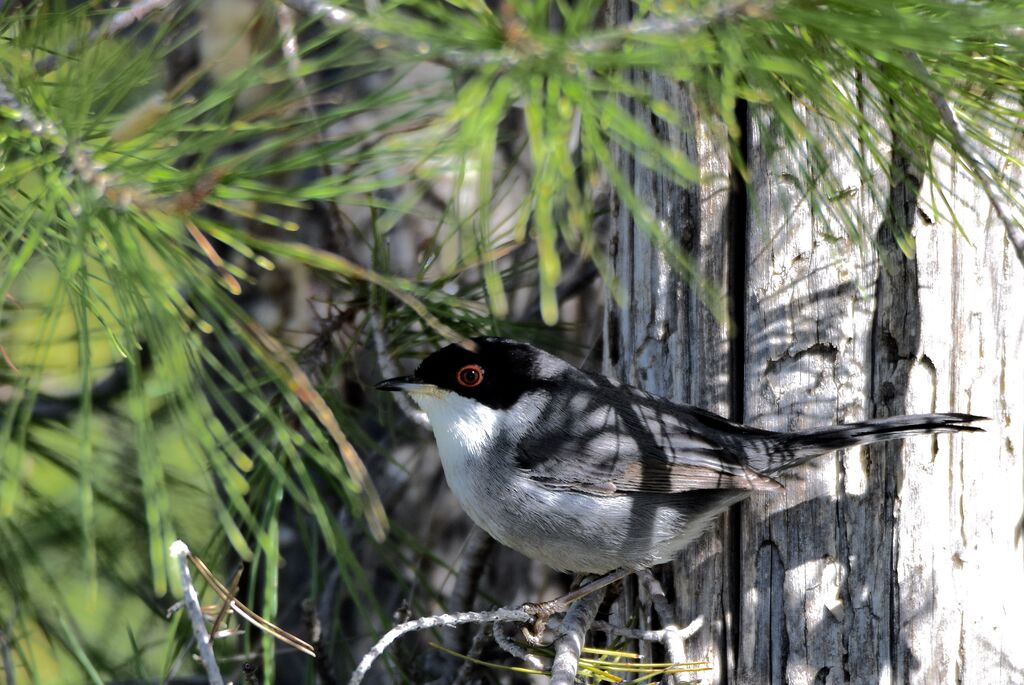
(541, 612)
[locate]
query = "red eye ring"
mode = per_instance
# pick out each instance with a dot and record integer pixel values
(470, 376)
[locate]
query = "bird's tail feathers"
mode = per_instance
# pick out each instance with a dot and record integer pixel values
(792, 449)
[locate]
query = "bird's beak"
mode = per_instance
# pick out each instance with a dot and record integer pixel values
(404, 383)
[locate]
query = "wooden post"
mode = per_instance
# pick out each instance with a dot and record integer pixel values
(897, 563)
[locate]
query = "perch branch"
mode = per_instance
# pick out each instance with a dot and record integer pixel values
(569, 644)
(179, 551)
(504, 615)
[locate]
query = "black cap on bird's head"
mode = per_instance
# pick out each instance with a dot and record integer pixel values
(492, 371)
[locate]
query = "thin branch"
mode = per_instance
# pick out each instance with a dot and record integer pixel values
(505, 615)
(649, 635)
(246, 613)
(179, 551)
(569, 646)
(673, 641)
(975, 157)
(137, 11)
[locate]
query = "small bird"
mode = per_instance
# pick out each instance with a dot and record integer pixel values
(591, 476)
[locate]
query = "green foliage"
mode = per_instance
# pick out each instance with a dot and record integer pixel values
(136, 206)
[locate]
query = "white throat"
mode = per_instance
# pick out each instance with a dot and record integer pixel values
(464, 429)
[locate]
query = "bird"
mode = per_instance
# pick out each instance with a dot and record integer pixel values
(591, 476)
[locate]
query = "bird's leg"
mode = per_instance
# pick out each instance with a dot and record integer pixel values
(542, 611)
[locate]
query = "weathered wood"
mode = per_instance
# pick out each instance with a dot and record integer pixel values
(661, 337)
(899, 563)
(854, 573)
(957, 534)
(807, 336)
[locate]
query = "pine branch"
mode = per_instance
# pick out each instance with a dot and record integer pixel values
(79, 160)
(976, 159)
(680, 23)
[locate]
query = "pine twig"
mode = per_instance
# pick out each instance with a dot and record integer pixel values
(569, 645)
(179, 551)
(675, 24)
(975, 157)
(78, 159)
(504, 615)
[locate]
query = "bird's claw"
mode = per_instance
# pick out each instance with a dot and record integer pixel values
(541, 612)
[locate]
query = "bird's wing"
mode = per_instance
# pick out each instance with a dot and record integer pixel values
(605, 439)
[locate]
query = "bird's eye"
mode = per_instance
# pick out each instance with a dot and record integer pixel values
(470, 376)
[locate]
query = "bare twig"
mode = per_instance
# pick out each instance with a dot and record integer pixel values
(673, 641)
(179, 551)
(974, 156)
(505, 615)
(569, 645)
(246, 613)
(649, 635)
(135, 12)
